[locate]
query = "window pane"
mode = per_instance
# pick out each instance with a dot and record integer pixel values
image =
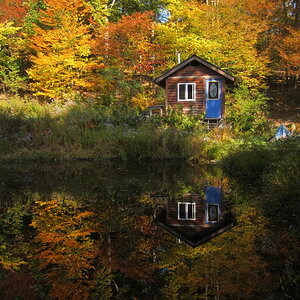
(213, 213)
(190, 91)
(181, 211)
(181, 91)
(213, 89)
(190, 211)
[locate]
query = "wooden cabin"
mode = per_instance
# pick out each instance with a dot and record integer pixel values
(193, 210)
(196, 85)
(196, 220)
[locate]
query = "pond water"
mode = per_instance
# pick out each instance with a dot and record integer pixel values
(140, 231)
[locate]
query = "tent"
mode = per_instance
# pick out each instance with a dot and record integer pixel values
(282, 132)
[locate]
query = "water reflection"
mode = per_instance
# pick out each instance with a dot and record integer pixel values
(195, 219)
(84, 231)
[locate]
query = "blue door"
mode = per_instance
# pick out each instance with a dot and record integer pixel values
(213, 201)
(213, 88)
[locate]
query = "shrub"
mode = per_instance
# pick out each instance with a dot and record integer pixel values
(246, 110)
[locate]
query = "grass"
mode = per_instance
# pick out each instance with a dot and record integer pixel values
(31, 131)
(88, 131)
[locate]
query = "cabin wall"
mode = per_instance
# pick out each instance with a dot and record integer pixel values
(172, 213)
(192, 74)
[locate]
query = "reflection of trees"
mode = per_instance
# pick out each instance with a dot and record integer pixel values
(228, 266)
(114, 251)
(128, 247)
(14, 235)
(65, 250)
(275, 193)
(130, 239)
(18, 285)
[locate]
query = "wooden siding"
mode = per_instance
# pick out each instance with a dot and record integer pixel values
(191, 74)
(172, 214)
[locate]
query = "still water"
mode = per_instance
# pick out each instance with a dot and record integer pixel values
(139, 231)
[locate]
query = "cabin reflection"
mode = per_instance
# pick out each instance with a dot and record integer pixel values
(194, 219)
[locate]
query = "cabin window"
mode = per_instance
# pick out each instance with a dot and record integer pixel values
(213, 213)
(186, 211)
(213, 89)
(186, 91)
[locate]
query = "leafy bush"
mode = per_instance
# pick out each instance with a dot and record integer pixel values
(75, 131)
(246, 110)
(12, 47)
(90, 131)
(186, 123)
(253, 161)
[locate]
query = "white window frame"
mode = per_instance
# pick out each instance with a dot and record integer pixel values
(186, 210)
(207, 213)
(219, 89)
(186, 91)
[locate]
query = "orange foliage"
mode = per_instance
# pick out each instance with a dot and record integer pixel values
(12, 10)
(290, 51)
(129, 43)
(66, 251)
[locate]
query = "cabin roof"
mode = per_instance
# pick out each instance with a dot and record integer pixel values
(199, 237)
(161, 80)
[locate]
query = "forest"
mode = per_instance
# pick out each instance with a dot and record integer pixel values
(84, 170)
(77, 76)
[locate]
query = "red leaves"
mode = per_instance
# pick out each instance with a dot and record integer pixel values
(130, 42)
(12, 10)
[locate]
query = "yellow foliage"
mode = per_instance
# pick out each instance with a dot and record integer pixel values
(142, 101)
(67, 252)
(11, 264)
(62, 64)
(225, 34)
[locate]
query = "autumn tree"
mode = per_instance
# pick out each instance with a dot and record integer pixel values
(12, 48)
(62, 64)
(130, 43)
(130, 54)
(284, 40)
(225, 34)
(64, 248)
(13, 10)
(290, 52)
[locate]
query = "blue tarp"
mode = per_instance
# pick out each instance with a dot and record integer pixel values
(282, 132)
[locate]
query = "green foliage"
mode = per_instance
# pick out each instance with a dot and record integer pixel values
(33, 131)
(35, 8)
(246, 110)
(185, 122)
(98, 9)
(268, 178)
(73, 131)
(255, 161)
(13, 243)
(102, 288)
(12, 46)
